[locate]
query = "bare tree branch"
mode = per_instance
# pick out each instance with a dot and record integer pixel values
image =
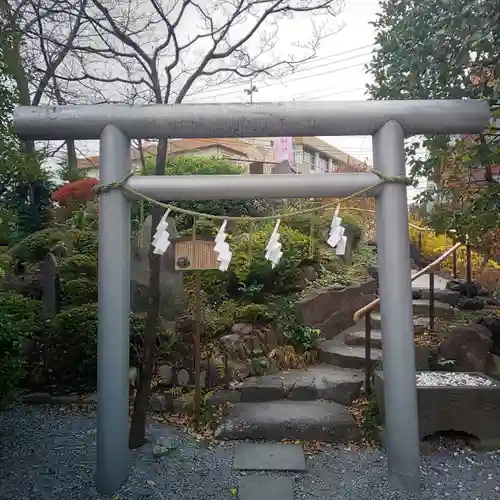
(157, 51)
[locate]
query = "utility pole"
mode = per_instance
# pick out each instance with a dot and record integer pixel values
(250, 91)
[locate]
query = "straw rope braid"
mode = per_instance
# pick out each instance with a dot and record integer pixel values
(121, 184)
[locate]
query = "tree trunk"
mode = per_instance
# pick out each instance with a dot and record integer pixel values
(137, 435)
(73, 172)
(22, 84)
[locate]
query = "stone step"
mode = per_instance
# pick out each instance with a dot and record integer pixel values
(323, 381)
(420, 323)
(291, 420)
(423, 282)
(446, 296)
(345, 356)
(358, 339)
(441, 310)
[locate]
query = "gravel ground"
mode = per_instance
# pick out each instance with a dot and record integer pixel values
(49, 453)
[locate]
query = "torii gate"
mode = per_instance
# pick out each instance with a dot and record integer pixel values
(389, 122)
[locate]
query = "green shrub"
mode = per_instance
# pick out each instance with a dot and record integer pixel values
(19, 318)
(365, 256)
(26, 312)
(252, 292)
(219, 318)
(371, 421)
(321, 223)
(79, 291)
(302, 337)
(251, 279)
(258, 270)
(214, 283)
(254, 314)
(84, 241)
(36, 246)
(198, 165)
(66, 349)
(78, 266)
(5, 261)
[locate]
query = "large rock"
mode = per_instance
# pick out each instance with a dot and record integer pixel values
(469, 347)
(331, 310)
(466, 289)
(171, 281)
(295, 420)
(493, 325)
(471, 304)
(245, 341)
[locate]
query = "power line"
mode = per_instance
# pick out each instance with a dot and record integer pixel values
(293, 71)
(310, 95)
(285, 81)
(302, 69)
(292, 80)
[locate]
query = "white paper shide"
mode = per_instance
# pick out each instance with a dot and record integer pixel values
(224, 254)
(336, 238)
(161, 239)
(273, 248)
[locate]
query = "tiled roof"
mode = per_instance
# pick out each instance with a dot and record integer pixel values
(176, 146)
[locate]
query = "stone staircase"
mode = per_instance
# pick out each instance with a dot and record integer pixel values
(348, 348)
(297, 405)
(313, 404)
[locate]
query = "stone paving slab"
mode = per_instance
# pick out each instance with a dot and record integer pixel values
(344, 355)
(269, 457)
(359, 339)
(441, 309)
(265, 488)
(295, 420)
(322, 381)
(420, 323)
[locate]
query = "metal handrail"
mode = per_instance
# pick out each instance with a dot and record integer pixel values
(374, 303)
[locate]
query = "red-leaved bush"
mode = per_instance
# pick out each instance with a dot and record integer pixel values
(78, 191)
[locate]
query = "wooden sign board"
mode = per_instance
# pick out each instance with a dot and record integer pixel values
(195, 255)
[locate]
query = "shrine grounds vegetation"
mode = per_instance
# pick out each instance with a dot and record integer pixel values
(59, 354)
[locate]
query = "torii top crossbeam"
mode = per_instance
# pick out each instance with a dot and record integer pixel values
(251, 120)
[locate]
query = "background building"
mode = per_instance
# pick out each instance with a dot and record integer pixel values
(256, 156)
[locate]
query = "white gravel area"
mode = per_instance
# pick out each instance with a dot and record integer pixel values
(453, 379)
(49, 453)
